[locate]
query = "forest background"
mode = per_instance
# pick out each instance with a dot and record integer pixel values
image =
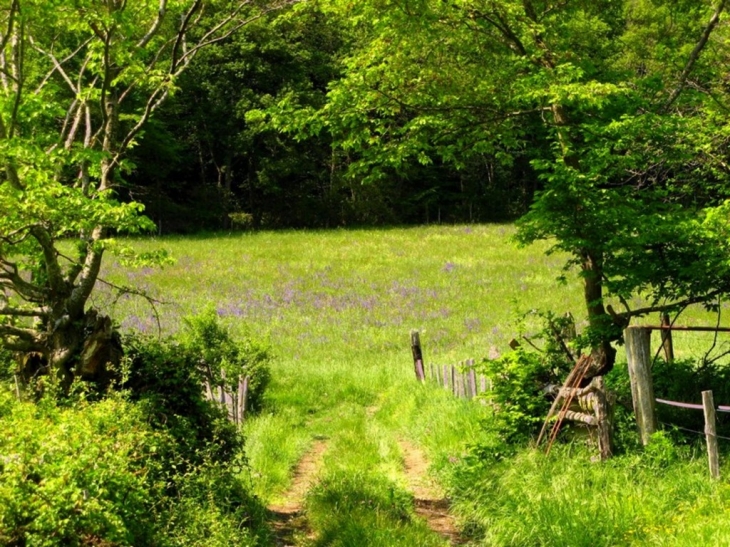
(443, 109)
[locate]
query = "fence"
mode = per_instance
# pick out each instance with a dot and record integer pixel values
(232, 399)
(638, 355)
(461, 378)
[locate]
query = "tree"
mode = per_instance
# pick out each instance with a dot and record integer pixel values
(79, 81)
(228, 164)
(618, 106)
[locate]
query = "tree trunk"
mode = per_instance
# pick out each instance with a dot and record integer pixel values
(601, 322)
(88, 348)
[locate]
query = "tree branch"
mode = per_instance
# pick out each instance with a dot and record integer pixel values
(26, 335)
(669, 307)
(155, 25)
(24, 312)
(714, 20)
(50, 259)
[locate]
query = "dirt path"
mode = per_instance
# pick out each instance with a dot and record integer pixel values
(287, 518)
(431, 504)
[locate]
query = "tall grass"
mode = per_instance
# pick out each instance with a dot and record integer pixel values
(337, 307)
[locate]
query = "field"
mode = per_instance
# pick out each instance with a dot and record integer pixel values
(337, 308)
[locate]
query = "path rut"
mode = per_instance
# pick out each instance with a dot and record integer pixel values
(430, 502)
(287, 518)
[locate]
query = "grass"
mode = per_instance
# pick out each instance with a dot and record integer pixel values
(337, 307)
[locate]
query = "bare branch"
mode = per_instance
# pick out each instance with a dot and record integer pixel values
(155, 26)
(714, 20)
(181, 33)
(79, 108)
(210, 37)
(121, 291)
(58, 66)
(14, 9)
(150, 66)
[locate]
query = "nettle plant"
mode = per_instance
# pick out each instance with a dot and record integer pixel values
(78, 81)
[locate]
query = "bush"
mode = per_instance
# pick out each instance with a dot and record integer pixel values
(517, 397)
(77, 476)
(151, 462)
(155, 464)
(167, 382)
(222, 359)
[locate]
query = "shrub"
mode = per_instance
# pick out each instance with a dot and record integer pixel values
(223, 359)
(517, 395)
(77, 476)
(165, 379)
(155, 464)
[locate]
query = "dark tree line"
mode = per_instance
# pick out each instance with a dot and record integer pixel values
(205, 162)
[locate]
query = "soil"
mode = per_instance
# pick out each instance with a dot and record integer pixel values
(287, 518)
(430, 502)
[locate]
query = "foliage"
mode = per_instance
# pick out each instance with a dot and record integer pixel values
(168, 383)
(79, 82)
(221, 159)
(156, 464)
(224, 360)
(517, 398)
(519, 378)
(78, 475)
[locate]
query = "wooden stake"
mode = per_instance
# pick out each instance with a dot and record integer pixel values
(453, 381)
(17, 387)
(667, 343)
(708, 406)
(472, 379)
(638, 354)
(445, 373)
(243, 398)
(417, 356)
(602, 412)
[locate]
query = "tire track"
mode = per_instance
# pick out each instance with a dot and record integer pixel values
(287, 518)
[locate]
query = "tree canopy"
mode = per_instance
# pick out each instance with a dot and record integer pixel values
(78, 82)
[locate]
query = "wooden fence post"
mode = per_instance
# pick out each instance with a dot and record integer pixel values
(445, 374)
(602, 412)
(667, 343)
(638, 354)
(242, 396)
(472, 379)
(454, 389)
(417, 356)
(708, 406)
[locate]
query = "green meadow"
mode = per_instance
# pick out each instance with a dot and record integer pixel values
(337, 307)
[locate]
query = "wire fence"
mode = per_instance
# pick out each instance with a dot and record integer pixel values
(709, 408)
